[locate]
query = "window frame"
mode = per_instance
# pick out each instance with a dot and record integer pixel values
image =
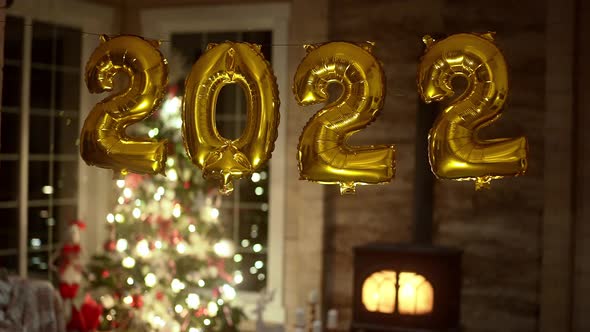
(161, 23)
(93, 190)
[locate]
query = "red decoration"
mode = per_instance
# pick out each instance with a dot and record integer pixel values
(69, 249)
(133, 180)
(106, 273)
(68, 291)
(159, 295)
(137, 301)
(187, 184)
(110, 246)
(200, 312)
(87, 318)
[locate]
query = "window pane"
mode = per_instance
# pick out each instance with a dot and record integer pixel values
(10, 263)
(13, 38)
(41, 88)
(226, 103)
(49, 222)
(42, 46)
(11, 85)
(40, 134)
(38, 262)
(66, 133)
(227, 129)
(8, 181)
(263, 38)
(9, 228)
(254, 277)
(10, 133)
(253, 227)
(188, 46)
(65, 179)
(68, 46)
(38, 178)
(255, 189)
(67, 90)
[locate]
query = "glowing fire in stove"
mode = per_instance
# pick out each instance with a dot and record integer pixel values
(415, 295)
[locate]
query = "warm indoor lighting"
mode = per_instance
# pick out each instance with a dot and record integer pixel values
(415, 294)
(143, 248)
(224, 248)
(193, 300)
(176, 211)
(177, 285)
(121, 245)
(379, 292)
(128, 262)
(181, 248)
(171, 174)
(136, 213)
(229, 293)
(150, 280)
(212, 308)
(238, 277)
(214, 213)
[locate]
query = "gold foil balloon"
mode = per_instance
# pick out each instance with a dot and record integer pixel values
(323, 153)
(223, 159)
(455, 150)
(104, 141)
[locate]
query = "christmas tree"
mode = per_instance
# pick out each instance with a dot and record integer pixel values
(166, 265)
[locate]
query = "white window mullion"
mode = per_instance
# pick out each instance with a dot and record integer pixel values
(23, 212)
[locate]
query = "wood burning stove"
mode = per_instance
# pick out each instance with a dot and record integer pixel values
(406, 288)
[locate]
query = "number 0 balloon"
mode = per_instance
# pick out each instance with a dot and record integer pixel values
(455, 150)
(220, 158)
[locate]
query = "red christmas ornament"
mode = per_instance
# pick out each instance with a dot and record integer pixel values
(105, 273)
(110, 246)
(159, 295)
(137, 301)
(187, 184)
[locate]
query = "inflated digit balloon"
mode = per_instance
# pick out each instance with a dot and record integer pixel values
(323, 152)
(456, 151)
(220, 158)
(103, 140)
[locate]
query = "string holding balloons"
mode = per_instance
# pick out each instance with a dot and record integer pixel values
(324, 156)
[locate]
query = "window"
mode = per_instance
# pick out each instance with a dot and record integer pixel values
(244, 213)
(44, 183)
(250, 218)
(40, 128)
